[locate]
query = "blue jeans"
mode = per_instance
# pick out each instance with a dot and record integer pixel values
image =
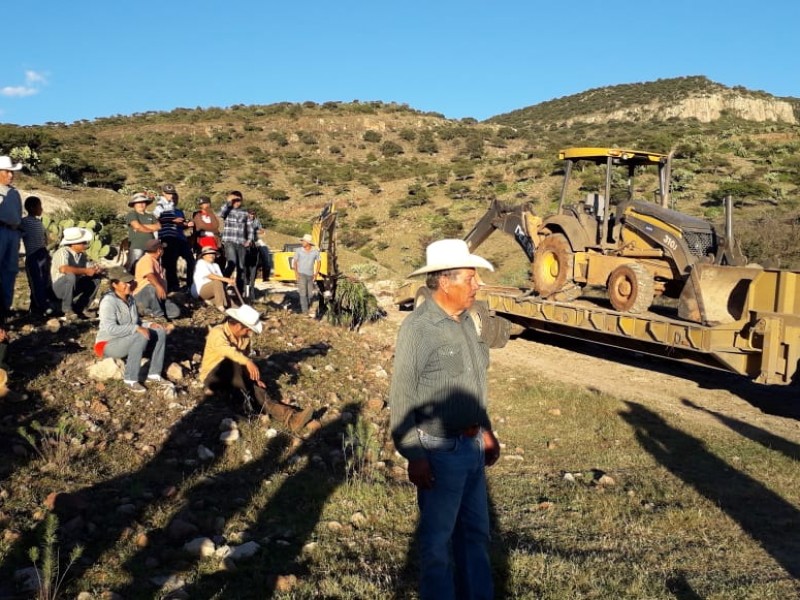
(149, 305)
(453, 533)
(133, 347)
(235, 261)
(75, 292)
(9, 265)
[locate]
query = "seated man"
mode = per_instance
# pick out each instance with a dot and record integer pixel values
(226, 366)
(75, 280)
(151, 287)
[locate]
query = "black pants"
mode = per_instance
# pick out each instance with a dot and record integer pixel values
(231, 376)
(174, 249)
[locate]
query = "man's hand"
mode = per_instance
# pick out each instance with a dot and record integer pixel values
(420, 473)
(161, 293)
(252, 370)
(491, 448)
(3, 335)
(144, 331)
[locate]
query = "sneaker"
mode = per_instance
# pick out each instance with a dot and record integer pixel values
(136, 387)
(159, 380)
(312, 314)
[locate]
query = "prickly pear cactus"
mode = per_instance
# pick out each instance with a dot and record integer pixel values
(96, 250)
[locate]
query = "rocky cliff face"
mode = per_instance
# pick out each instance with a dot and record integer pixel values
(705, 108)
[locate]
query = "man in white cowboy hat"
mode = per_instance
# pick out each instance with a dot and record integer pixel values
(142, 227)
(227, 366)
(306, 264)
(10, 218)
(439, 422)
(75, 281)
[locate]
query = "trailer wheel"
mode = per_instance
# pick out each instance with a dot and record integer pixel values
(631, 288)
(493, 330)
(552, 264)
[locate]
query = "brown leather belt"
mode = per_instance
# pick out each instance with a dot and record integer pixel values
(472, 431)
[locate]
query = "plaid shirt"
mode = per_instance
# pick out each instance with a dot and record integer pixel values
(234, 231)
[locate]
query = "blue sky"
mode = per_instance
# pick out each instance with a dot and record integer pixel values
(66, 61)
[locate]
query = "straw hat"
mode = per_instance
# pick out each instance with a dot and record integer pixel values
(450, 254)
(247, 316)
(76, 235)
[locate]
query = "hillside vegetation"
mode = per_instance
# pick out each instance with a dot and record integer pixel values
(402, 177)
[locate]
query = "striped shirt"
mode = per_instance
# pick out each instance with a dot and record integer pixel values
(33, 234)
(439, 384)
(64, 256)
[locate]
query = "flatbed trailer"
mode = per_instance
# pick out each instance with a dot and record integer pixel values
(762, 343)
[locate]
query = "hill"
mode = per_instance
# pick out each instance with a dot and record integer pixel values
(402, 177)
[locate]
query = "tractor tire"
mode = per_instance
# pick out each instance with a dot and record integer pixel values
(631, 288)
(552, 265)
(493, 330)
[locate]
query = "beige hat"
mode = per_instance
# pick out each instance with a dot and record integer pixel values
(307, 238)
(76, 235)
(451, 254)
(247, 316)
(7, 165)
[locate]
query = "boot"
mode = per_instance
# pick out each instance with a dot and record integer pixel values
(293, 420)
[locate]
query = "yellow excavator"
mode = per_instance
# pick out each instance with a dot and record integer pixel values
(322, 236)
(634, 248)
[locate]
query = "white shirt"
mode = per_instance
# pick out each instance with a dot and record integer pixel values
(202, 270)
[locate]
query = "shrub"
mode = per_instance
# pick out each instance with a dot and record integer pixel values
(372, 136)
(366, 222)
(389, 149)
(277, 195)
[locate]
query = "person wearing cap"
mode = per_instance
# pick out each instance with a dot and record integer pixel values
(75, 279)
(151, 286)
(142, 227)
(306, 264)
(226, 366)
(234, 237)
(10, 218)
(174, 227)
(206, 224)
(122, 334)
(440, 424)
(208, 282)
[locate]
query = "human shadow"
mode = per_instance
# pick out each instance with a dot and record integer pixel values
(763, 515)
(288, 518)
(98, 516)
(757, 434)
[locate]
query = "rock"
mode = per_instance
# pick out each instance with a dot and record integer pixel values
(168, 392)
(229, 437)
(545, 505)
(375, 405)
(28, 579)
(271, 433)
(569, 477)
(247, 455)
(228, 424)
(556, 412)
(201, 547)
(309, 547)
(334, 526)
(246, 550)
(175, 372)
(169, 491)
(104, 370)
(180, 530)
(358, 520)
(53, 325)
(84, 596)
(380, 373)
(285, 583)
(168, 583)
(97, 407)
(204, 453)
(142, 540)
(223, 552)
(605, 481)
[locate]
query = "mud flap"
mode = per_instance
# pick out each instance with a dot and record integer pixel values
(714, 295)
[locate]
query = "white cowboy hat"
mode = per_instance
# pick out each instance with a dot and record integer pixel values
(76, 235)
(7, 165)
(247, 316)
(307, 238)
(451, 254)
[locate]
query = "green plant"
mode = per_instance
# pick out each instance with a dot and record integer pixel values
(353, 305)
(49, 575)
(55, 445)
(360, 447)
(365, 270)
(97, 249)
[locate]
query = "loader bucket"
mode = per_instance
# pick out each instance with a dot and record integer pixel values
(715, 294)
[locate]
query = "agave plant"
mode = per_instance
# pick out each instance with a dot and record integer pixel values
(353, 305)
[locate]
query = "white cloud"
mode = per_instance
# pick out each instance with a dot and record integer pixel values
(34, 81)
(34, 78)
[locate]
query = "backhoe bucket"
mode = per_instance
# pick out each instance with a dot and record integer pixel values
(715, 294)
